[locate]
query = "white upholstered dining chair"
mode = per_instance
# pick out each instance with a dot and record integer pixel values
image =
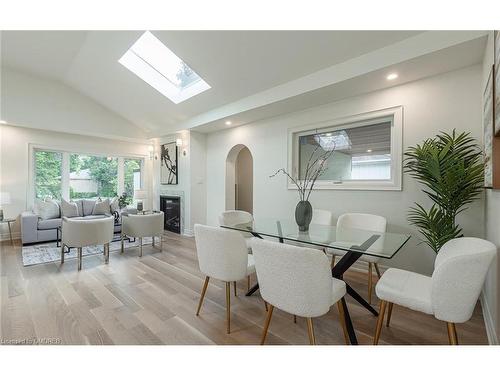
(140, 226)
(368, 222)
(243, 219)
(297, 280)
(80, 233)
(222, 255)
(322, 217)
(238, 218)
(450, 294)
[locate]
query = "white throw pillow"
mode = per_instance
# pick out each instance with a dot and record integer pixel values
(101, 208)
(69, 209)
(47, 210)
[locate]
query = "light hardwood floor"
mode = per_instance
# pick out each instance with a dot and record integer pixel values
(153, 299)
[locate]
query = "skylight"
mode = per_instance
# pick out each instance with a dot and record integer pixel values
(158, 66)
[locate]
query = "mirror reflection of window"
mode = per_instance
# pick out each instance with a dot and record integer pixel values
(361, 153)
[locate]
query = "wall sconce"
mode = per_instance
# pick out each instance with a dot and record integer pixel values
(178, 142)
(151, 150)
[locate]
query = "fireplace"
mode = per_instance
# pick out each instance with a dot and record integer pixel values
(171, 207)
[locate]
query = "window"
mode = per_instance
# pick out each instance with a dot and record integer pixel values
(93, 176)
(158, 66)
(61, 174)
(132, 175)
(48, 172)
(367, 151)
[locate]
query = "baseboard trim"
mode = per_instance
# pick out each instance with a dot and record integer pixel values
(488, 321)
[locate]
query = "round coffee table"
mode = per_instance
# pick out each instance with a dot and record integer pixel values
(8, 221)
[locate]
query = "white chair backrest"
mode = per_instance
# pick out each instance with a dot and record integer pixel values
(322, 217)
(222, 253)
(81, 232)
(460, 269)
(368, 222)
(297, 280)
(237, 218)
(137, 225)
(357, 221)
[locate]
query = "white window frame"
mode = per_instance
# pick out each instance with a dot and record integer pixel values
(65, 168)
(393, 114)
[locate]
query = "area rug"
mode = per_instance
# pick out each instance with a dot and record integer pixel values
(48, 252)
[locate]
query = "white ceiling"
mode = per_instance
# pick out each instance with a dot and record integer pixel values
(237, 64)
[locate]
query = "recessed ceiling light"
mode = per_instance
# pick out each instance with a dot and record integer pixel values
(228, 122)
(3, 122)
(392, 76)
(369, 150)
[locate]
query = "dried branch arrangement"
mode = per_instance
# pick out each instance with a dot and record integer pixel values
(315, 168)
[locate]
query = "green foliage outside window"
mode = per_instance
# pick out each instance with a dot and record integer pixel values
(102, 170)
(48, 166)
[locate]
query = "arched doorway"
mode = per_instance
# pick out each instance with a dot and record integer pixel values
(239, 179)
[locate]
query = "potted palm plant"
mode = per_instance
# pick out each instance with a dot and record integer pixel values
(451, 168)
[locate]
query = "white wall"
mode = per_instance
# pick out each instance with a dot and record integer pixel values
(444, 102)
(491, 299)
(14, 160)
(49, 105)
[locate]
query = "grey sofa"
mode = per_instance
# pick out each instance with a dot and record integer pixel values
(34, 229)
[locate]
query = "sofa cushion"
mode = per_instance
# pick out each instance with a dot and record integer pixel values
(79, 203)
(49, 223)
(47, 209)
(88, 206)
(69, 209)
(102, 208)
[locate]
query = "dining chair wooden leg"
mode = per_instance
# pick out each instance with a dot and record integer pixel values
(235, 292)
(122, 247)
(452, 333)
(266, 324)
(228, 307)
(389, 313)
(62, 253)
(248, 283)
(342, 322)
(380, 322)
(332, 264)
(203, 291)
(370, 282)
(140, 246)
(79, 258)
(265, 305)
(377, 270)
(295, 319)
(310, 330)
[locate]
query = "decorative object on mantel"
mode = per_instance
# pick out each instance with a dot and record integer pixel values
(315, 167)
(169, 168)
(496, 77)
(488, 121)
(451, 168)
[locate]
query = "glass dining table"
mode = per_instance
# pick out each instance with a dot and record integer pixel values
(354, 242)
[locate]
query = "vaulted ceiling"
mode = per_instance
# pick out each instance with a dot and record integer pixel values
(240, 66)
